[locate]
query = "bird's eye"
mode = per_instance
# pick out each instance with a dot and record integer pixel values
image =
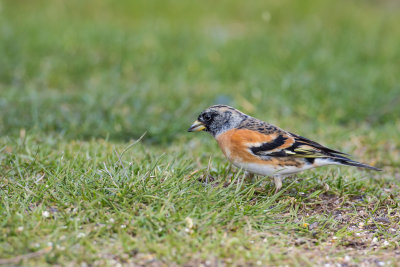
(207, 117)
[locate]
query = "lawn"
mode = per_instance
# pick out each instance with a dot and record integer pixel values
(97, 167)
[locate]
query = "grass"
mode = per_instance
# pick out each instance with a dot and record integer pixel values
(81, 81)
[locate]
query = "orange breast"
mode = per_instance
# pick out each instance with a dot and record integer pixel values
(234, 144)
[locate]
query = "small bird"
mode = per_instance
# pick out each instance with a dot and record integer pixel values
(264, 149)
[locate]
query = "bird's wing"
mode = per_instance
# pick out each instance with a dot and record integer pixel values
(307, 146)
(264, 140)
(280, 143)
(267, 140)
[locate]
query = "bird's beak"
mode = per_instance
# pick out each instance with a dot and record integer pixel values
(197, 126)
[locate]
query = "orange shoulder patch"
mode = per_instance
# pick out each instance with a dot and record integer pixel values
(234, 144)
(249, 136)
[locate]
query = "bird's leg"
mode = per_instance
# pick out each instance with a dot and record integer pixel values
(249, 176)
(278, 183)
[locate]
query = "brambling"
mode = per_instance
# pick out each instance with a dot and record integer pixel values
(264, 149)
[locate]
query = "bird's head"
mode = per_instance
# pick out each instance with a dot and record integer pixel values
(218, 119)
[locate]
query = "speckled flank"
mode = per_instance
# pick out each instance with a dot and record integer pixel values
(296, 162)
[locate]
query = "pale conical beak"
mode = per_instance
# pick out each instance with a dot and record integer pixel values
(197, 127)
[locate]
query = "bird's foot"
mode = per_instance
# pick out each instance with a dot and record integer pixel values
(278, 183)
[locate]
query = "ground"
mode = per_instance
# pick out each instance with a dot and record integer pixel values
(96, 166)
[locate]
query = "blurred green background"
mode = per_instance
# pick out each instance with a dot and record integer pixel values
(73, 72)
(115, 69)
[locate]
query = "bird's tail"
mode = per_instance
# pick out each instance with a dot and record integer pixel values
(349, 162)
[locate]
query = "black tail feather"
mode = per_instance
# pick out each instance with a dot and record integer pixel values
(349, 162)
